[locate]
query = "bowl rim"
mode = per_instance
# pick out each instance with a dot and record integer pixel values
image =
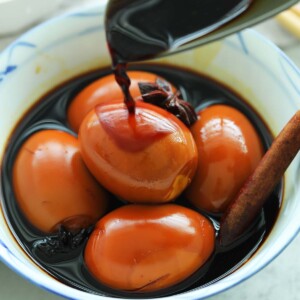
(8, 258)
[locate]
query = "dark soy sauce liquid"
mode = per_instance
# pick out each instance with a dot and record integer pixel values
(141, 29)
(69, 267)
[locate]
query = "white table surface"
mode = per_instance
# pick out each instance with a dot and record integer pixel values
(278, 281)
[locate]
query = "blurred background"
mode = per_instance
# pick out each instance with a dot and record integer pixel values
(279, 280)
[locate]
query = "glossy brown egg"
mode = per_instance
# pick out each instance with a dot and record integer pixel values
(229, 149)
(142, 249)
(104, 90)
(146, 157)
(52, 185)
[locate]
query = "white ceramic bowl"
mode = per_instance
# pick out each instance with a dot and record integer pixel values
(74, 44)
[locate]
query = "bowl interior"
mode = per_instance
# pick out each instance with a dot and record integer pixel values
(245, 62)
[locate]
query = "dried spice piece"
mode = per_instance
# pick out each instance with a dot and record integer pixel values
(261, 183)
(160, 94)
(63, 242)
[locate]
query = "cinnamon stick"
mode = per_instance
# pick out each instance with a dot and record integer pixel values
(261, 183)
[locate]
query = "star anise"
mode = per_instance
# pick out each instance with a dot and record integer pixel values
(160, 94)
(61, 243)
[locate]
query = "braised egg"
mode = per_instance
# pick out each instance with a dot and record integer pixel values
(144, 248)
(146, 157)
(52, 185)
(104, 90)
(229, 149)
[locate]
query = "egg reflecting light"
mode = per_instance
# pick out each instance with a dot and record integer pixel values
(229, 149)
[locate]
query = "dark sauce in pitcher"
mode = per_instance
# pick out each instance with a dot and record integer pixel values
(68, 265)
